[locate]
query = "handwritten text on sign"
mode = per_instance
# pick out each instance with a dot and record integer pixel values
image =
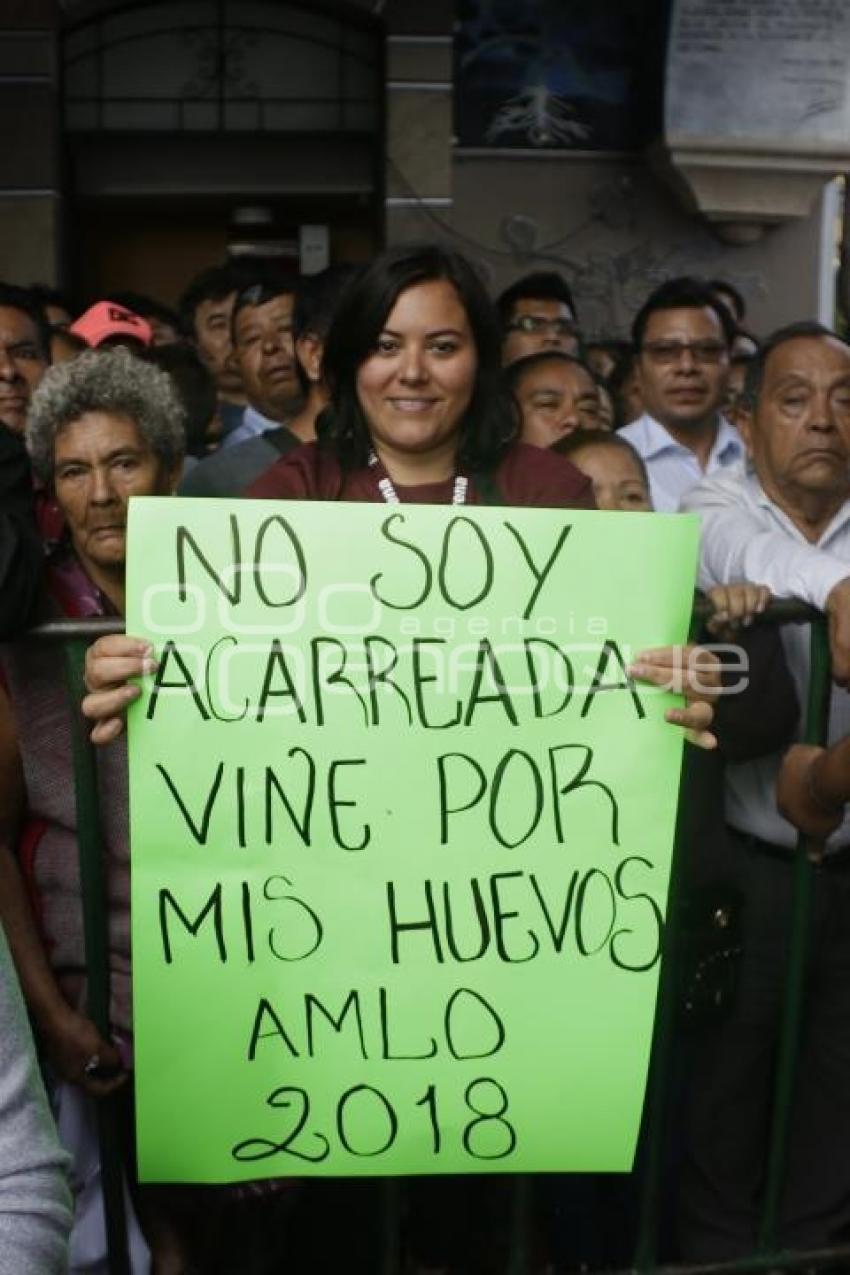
(401, 832)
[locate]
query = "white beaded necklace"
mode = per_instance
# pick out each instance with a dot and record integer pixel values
(391, 496)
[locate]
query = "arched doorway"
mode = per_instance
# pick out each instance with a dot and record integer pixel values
(197, 127)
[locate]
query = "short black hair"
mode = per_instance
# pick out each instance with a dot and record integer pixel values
(146, 307)
(515, 371)
(316, 299)
(613, 345)
(15, 298)
(738, 303)
(682, 293)
(261, 292)
(73, 343)
(756, 363)
(213, 284)
(44, 295)
(600, 438)
(194, 386)
(542, 285)
(623, 367)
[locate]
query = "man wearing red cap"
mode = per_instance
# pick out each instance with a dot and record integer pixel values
(107, 324)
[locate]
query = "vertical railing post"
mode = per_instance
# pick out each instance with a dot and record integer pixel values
(95, 905)
(653, 1136)
(658, 1083)
(391, 1226)
(815, 728)
(519, 1258)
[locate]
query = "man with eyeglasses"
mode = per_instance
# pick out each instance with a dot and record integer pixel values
(538, 315)
(681, 337)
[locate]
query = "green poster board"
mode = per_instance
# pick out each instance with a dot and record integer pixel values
(401, 835)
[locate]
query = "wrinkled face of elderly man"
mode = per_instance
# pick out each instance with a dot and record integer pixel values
(799, 434)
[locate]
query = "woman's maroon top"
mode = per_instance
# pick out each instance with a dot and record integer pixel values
(526, 475)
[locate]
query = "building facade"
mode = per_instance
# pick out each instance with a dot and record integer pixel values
(146, 138)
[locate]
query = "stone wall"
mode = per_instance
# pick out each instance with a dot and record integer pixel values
(615, 232)
(607, 222)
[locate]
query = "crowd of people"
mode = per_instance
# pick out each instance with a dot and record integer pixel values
(403, 380)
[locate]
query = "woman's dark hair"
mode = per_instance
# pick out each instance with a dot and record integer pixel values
(515, 372)
(682, 293)
(489, 425)
(600, 438)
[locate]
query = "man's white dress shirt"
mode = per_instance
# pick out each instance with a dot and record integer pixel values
(252, 425)
(746, 536)
(674, 469)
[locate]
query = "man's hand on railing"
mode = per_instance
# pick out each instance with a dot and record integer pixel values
(838, 615)
(735, 606)
(110, 664)
(692, 671)
(813, 787)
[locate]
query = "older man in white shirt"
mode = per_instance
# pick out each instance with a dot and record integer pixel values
(747, 536)
(681, 338)
(790, 514)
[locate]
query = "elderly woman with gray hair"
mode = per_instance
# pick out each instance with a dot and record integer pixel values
(101, 429)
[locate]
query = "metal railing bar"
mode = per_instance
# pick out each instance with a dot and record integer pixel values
(96, 939)
(778, 611)
(802, 1260)
(664, 1030)
(66, 630)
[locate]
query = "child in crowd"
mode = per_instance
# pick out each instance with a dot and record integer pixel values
(616, 470)
(620, 483)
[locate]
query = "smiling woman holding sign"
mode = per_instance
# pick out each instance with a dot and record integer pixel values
(417, 414)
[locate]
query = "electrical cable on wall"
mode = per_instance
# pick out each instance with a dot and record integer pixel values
(542, 253)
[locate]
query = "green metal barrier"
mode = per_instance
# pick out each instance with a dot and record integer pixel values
(817, 716)
(76, 635)
(95, 930)
(767, 1257)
